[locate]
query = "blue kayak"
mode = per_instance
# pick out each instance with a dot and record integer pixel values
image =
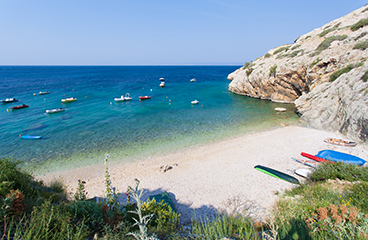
(30, 136)
(340, 157)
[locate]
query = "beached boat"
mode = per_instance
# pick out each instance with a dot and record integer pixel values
(44, 93)
(303, 172)
(277, 174)
(340, 157)
(315, 158)
(69, 99)
(123, 98)
(9, 100)
(162, 84)
(19, 107)
(56, 110)
(310, 163)
(144, 97)
(340, 142)
(195, 102)
(193, 80)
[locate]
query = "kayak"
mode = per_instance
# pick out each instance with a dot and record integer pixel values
(340, 157)
(303, 172)
(277, 174)
(310, 163)
(315, 158)
(30, 137)
(340, 142)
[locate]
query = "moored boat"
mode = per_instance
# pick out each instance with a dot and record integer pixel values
(162, 84)
(127, 97)
(19, 107)
(69, 99)
(30, 136)
(340, 142)
(43, 93)
(195, 102)
(193, 80)
(9, 100)
(56, 110)
(144, 97)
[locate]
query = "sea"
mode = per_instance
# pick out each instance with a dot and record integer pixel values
(95, 125)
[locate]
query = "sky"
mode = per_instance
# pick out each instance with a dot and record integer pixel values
(160, 32)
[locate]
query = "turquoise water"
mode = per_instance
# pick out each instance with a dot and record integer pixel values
(95, 124)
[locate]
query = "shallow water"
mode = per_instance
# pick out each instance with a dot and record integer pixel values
(95, 124)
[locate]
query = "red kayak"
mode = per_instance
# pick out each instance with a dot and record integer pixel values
(20, 107)
(318, 159)
(144, 97)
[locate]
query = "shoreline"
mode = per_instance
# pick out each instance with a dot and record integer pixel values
(213, 177)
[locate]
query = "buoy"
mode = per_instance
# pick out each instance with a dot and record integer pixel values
(7, 110)
(34, 94)
(20, 135)
(151, 90)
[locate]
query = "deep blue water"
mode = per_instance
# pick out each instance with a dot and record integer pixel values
(95, 124)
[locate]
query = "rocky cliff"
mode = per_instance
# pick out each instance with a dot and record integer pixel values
(324, 72)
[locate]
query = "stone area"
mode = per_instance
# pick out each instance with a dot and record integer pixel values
(302, 71)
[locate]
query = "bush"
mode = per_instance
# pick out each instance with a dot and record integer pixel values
(281, 49)
(361, 45)
(364, 78)
(361, 23)
(273, 70)
(340, 170)
(327, 42)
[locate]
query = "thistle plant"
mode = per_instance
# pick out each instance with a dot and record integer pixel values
(80, 194)
(143, 220)
(112, 197)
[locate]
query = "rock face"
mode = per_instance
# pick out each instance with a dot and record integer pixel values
(323, 72)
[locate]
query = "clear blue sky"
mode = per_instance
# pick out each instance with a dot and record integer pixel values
(160, 32)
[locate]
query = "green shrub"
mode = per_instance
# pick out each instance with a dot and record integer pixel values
(267, 55)
(361, 23)
(327, 42)
(358, 196)
(315, 62)
(249, 71)
(361, 35)
(295, 47)
(340, 170)
(364, 78)
(224, 226)
(295, 53)
(88, 211)
(281, 49)
(273, 70)
(361, 45)
(341, 71)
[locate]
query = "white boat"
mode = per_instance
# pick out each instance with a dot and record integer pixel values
(69, 99)
(162, 84)
(43, 93)
(195, 102)
(193, 80)
(162, 79)
(56, 110)
(280, 109)
(122, 98)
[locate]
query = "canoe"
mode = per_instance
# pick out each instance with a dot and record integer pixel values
(310, 163)
(30, 137)
(340, 157)
(303, 172)
(19, 107)
(315, 158)
(340, 142)
(277, 174)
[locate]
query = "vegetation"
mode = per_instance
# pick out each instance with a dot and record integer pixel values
(328, 30)
(361, 23)
(327, 42)
(361, 45)
(315, 62)
(364, 78)
(321, 208)
(361, 35)
(341, 71)
(273, 70)
(281, 49)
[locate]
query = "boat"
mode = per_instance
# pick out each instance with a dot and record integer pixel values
(162, 84)
(69, 99)
(303, 172)
(280, 109)
(277, 174)
(123, 98)
(30, 136)
(195, 102)
(340, 157)
(310, 163)
(9, 100)
(340, 142)
(162, 79)
(144, 97)
(315, 158)
(56, 110)
(19, 107)
(43, 93)
(193, 80)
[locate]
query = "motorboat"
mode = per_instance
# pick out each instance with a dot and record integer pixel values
(69, 99)
(193, 80)
(162, 84)
(56, 110)
(19, 107)
(195, 102)
(9, 100)
(43, 93)
(144, 97)
(123, 98)
(162, 79)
